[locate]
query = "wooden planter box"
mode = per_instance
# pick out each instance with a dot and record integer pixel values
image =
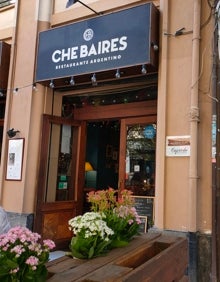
(149, 257)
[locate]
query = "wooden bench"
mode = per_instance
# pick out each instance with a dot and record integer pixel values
(148, 257)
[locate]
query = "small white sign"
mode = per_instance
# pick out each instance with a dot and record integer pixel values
(15, 159)
(178, 146)
(136, 168)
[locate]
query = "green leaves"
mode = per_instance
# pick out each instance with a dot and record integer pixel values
(117, 243)
(87, 248)
(91, 252)
(5, 266)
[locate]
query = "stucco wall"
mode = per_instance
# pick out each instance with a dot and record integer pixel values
(175, 82)
(174, 103)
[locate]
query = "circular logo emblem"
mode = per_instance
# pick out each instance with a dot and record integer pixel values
(149, 131)
(88, 34)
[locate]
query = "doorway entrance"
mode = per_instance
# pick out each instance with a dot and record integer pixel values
(102, 147)
(135, 139)
(130, 159)
(96, 147)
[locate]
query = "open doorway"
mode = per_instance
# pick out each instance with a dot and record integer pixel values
(105, 139)
(120, 140)
(102, 153)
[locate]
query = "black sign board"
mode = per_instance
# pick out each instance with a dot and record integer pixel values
(116, 40)
(145, 207)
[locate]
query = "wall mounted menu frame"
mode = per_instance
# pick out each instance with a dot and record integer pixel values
(15, 159)
(145, 208)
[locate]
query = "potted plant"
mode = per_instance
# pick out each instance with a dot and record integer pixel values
(112, 222)
(91, 235)
(22, 256)
(120, 213)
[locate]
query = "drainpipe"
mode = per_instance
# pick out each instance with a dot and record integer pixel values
(193, 160)
(194, 119)
(215, 166)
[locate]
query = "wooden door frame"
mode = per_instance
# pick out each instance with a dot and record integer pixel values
(119, 111)
(77, 204)
(131, 113)
(123, 138)
(47, 120)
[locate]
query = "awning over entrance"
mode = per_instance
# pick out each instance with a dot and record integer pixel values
(123, 43)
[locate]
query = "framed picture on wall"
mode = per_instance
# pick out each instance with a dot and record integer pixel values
(15, 159)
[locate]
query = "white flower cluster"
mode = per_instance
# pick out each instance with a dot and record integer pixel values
(92, 224)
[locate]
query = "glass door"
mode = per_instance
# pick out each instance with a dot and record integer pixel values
(61, 177)
(137, 155)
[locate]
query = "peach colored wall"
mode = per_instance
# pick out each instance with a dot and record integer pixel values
(175, 76)
(19, 105)
(7, 23)
(77, 11)
(177, 111)
(7, 17)
(24, 109)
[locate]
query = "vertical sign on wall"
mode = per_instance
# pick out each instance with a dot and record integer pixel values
(15, 159)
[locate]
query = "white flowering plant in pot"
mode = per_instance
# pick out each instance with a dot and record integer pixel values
(91, 235)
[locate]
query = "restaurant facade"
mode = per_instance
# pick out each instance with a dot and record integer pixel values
(123, 94)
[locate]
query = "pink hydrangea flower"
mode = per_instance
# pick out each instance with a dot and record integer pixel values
(49, 244)
(32, 261)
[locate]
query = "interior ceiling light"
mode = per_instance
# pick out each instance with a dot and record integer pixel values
(2, 93)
